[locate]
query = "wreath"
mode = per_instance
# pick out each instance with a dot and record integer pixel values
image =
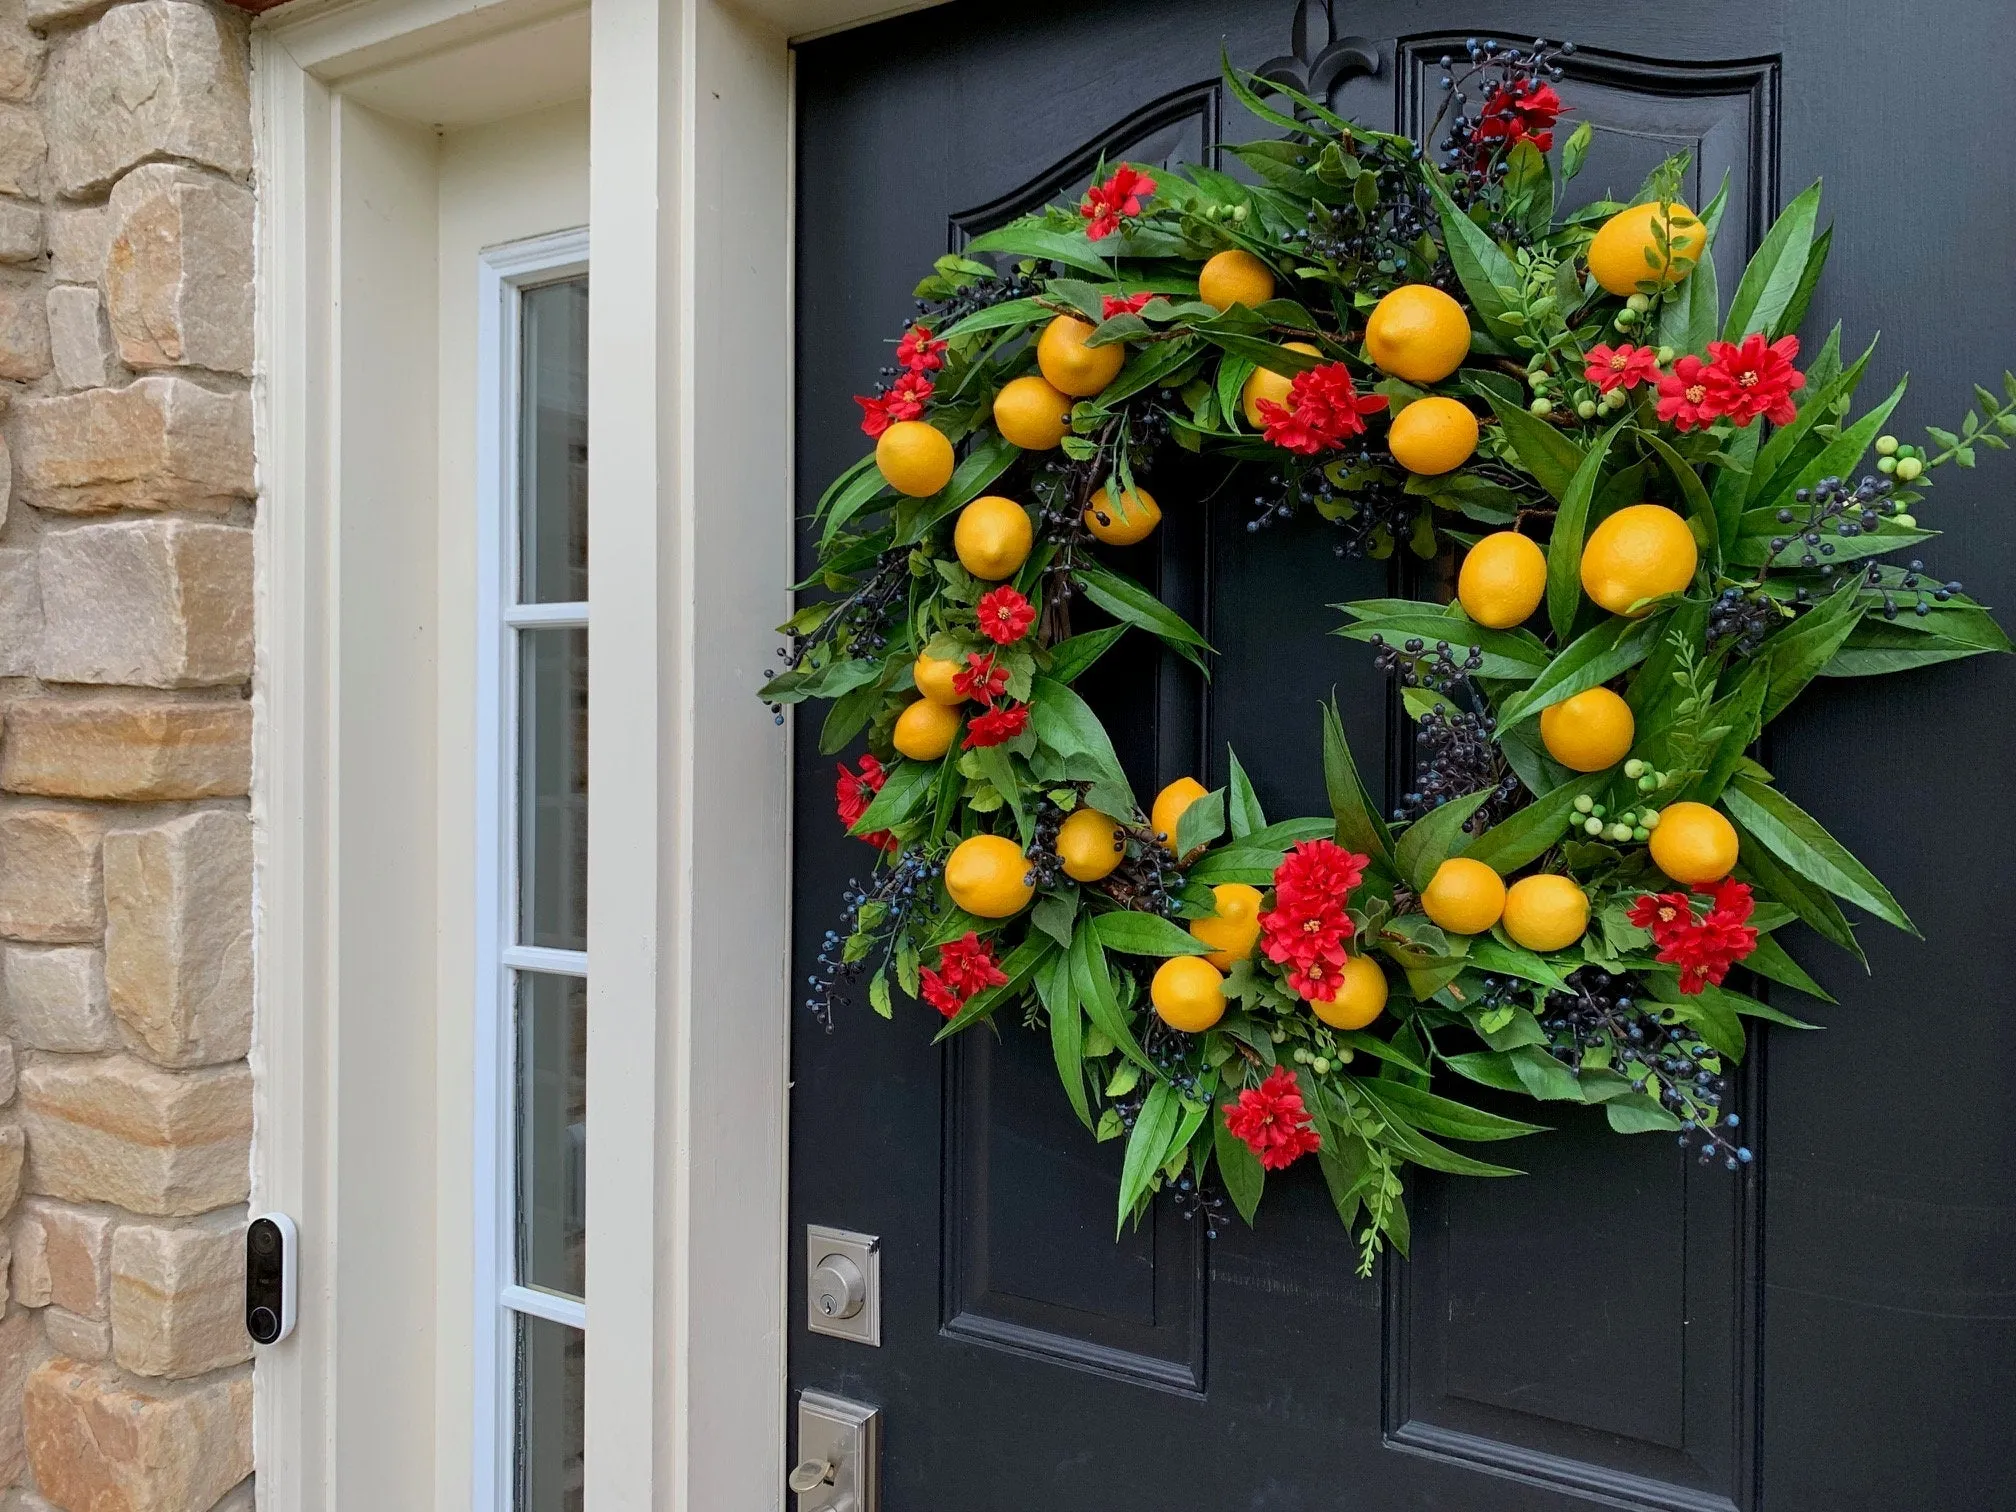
(1667, 528)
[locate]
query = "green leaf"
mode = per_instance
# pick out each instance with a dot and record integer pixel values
(1055, 913)
(1238, 1167)
(1777, 453)
(1564, 550)
(1145, 934)
(1066, 724)
(1067, 1031)
(1509, 655)
(1070, 659)
(1635, 1113)
(1775, 270)
(1616, 645)
(1771, 961)
(1699, 504)
(865, 489)
(1813, 905)
(1147, 1147)
(1544, 450)
(1488, 953)
(1027, 238)
(1358, 826)
(1486, 273)
(1201, 822)
(1545, 1077)
(1427, 842)
(1691, 313)
(1489, 1068)
(1242, 803)
(989, 459)
(1128, 601)
(1450, 1119)
(1797, 838)
(902, 793)
(1809, 280)
(1575, 151)
(1094, 990)
(1417, 1147)
(1007, 315)
(1794, 656)
(1741, 716)
(1526, 835)
(1948, 633)
(1840, 457)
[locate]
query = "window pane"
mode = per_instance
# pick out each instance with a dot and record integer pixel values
(553, 788)
(552, 1132)
(548, 1454)
(553, 444)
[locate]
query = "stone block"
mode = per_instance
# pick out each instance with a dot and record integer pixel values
(195, 106)
(20, 232)
(178, 1297)
(6, 1273)
(30, 1270)
(118, 1130)
(77, 1338)
(80, 342)
(159, 443)
(24, 151)
(178, 936)
(101, 1444)
(21, 1350)
(49, 875)
(55, 998)
(10, 1078)
(148, 603)
(24, 328)
(21, 52)
(20, 610)
(178, 270)
(77, 1249)
(58, 748)
(77, 237)
(13, 1155)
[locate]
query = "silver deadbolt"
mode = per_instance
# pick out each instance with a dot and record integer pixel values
(839, 1450)
(843, 1284)
(838, 1288)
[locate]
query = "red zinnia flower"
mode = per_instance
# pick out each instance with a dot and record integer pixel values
(1107, 204)
(903, 400)
(1273, 1122)
(1621, 367)
(1124, 304)
(1005, 616)
(965, 966)
(1686, 397)
(1324, 409)
(1306, 928)
(919, 351)
(1754, 379)
(1703, 948)
(995, 726)
(853, 792)
(982, 681)
(1526, 112)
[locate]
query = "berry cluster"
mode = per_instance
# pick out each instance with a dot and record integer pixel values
(1837, 508)
(1455, 743)
(880, 909)
(1501, 94)
(1743, 619)
(858, 624)
(1911, 580)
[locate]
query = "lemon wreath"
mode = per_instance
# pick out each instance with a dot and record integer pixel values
(1667, 528)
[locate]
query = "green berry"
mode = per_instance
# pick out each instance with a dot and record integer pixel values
(1592, 826)
(1542, 406)
(1640, 833)
(1586, 409)
(1908, 522)
(1345, 1057)
(1539, 378)
(1886, 446)
(1638, 304)
(1301, 1056)
(1627, 318)
(1599, 811)
(1886, 464)
(1322, 1065)
(1620, 832)
(1634, 769)
(1648, 819)
(1584, 803)
(1908, 469)
(1239, 214)
(1666, 355)
(1648, 782)
(1628, 819)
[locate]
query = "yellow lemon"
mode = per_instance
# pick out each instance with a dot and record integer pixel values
(934, 680)
(1464, 896)
(1234, 929)
(1360, 996)
(1546, 912)
(1504, 577)
(924, 731)
(1134, 521)
(1643, 551)
(1031, 414)
(1626, 258)
(1167, 812)
(1694, 844)
(1588, 732)
(1235, 277)
(993, 537)
(1267, 384)
(915, 458)
(1418, 333)
(1188, 993)
(989, 876)
(1070, 366)
(1090, 844)
(1433, 435)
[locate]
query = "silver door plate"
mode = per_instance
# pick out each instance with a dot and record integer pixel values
(845, 1439)
(855, 1253)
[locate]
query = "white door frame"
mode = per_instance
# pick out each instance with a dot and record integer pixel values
(690, 529)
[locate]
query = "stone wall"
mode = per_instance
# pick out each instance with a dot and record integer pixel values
(126, 489)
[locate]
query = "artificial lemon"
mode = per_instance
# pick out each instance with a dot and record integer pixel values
(1090, 844)
(1070, 366)
(1360, 995)
(1432, 435)
(1235, 277)
(915, 458)
(1626, 256)
(1642, 552)
(1418, 333)
(1464, 896)
(1167, 811)
(1267, 384)
(1694, 844)
(989, 876)
(993, 537)
(1188, 993)
(1504, 577)
(1031, 414)
(934, 680)
(1546, 912)
(1134, 521)
(924, 731)
(1588, 732)
(1234, 928)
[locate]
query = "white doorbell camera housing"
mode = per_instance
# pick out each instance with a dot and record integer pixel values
(271, 1277)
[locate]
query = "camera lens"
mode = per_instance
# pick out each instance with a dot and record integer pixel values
(264, 1240)
(263, 1324)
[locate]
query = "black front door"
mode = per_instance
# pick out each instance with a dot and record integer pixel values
(1835, 1331)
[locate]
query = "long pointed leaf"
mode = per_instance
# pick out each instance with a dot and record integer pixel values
(1775, 271)
(1067, 1031)
(1359, 826)
(1798, 839)
(1426, 843)
(1095, 992)
(1571, 522)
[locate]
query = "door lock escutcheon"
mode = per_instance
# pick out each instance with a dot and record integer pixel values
(843, 1284)
(839, 1449)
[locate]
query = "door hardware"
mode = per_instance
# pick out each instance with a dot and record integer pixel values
(843, 1284)
(839, 1444)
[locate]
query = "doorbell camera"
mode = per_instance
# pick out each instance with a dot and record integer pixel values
(271, 1277)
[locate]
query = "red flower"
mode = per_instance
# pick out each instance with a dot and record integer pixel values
(1621, 367)
(1120, 197)
(1272, 1121)
(1306, 928)
(982, 681)
(965, 966)
(1703, 948)
(919, 352)
(1005, 616)
(1685, 396)
(1525, 112)
(1125, 304)
(1324, 409)
(853, 792)
(903, 400)
(995, 726)
(1754, 379)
